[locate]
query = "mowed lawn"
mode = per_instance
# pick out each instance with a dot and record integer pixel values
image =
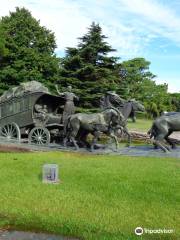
(142, 125)
(99, 197)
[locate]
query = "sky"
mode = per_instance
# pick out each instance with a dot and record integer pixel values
(136, 28)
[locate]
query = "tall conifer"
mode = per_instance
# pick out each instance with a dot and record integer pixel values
(89, 68)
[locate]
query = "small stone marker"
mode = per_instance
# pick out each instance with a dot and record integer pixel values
(50, 173)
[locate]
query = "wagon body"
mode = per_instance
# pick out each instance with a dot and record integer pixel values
(26, 111)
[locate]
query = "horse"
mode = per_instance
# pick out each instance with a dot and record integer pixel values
(111, 99)
(95, 123)
(162, 127)
(130, 107)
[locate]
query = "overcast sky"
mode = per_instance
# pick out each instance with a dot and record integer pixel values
(136, 28)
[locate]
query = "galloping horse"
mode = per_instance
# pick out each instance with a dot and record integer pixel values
(95, 123)
(162, 127)
(128, 108)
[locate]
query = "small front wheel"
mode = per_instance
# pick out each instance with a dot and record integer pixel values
(39, 136)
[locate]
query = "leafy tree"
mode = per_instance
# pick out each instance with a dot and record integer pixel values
(136, 81)
(30, 53)
(133, 73)
(152, 110)
(175, 101)
(89, 68)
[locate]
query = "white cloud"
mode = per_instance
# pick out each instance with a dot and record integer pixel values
(173, 83)
(157, 18)
(62, 17)
(130, 24)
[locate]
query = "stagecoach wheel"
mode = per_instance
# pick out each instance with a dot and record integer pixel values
(39, 136)
(10, 131)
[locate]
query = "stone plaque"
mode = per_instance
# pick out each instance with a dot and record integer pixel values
(50, 173)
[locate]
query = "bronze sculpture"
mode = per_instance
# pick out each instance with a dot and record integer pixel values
(127, 107)
(130, 107)
(69, 107)
(27, 87)
(32, 114)
(29, 110)
(162, 127)
(111, 99)
(95, 123)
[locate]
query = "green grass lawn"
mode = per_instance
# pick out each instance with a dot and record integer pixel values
(99, 197)
(140, 125)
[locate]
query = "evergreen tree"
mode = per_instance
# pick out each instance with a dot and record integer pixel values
(3, 49)
(30, 53)
(123, 86)
(89, 68)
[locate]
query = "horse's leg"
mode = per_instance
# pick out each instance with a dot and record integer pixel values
(75, 126)
(65, 141)
(96, 135)
(66, 137)
(163, 135)
(118, 132)
(173, 145)
(75, 143)
(83, 139)
(113, 136)
(134, 118)
(109, 140)
(128, 135)
(158, 142)
(170, 141)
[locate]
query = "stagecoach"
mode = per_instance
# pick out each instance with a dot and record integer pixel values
(33, 115)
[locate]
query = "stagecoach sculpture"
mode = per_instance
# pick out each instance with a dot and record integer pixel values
(30, 111)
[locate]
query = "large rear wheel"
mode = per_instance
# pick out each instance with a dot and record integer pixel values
(10, 132)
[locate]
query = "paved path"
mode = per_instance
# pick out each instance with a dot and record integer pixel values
(19, 235)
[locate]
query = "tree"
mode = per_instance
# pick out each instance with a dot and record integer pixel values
(3, 49)
(89, 68)
(175, 101)
(30, 53)
(136, 72)
(136, 81)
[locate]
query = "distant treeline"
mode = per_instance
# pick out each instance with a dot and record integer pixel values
(27, 52)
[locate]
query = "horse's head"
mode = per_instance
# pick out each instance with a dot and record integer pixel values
(137, 106)
(115, 98)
